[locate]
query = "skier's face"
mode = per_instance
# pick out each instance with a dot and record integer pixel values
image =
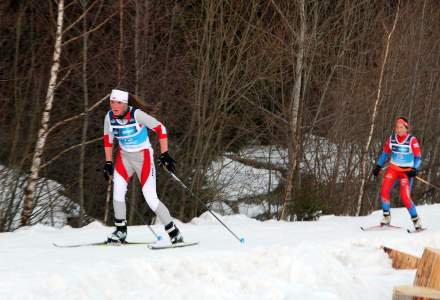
(401, 130)
(118, 107)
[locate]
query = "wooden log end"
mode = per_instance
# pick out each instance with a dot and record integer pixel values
(401, 260)
(428, 271)
(415, 293)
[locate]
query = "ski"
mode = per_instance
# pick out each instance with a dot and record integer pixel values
(380, 227)
(105, 243)
(171, 246)
(416, 231)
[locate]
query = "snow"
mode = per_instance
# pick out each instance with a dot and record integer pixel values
(235, 181)
(326, 259)
(51, 206)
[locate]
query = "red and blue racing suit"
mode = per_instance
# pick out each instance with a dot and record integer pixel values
(405, 153)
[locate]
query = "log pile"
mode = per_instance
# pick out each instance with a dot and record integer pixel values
(427, 280)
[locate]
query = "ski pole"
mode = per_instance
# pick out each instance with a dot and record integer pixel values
(421, 179)
(427, 182)
(107, 200)
(157, 236)
(241, 240)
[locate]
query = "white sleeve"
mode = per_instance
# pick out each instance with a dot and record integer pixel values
(108, 134)
(151, 123)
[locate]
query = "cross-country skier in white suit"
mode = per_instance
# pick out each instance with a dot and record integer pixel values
(129, 125)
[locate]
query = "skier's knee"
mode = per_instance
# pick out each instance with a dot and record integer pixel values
(119, 195)
(153, 202)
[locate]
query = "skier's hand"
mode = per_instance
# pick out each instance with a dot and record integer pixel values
(412, 173)
(376, 170)
(108, 170)
(165, 160)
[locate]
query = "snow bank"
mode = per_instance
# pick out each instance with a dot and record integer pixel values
(326, 259)
(51, 207)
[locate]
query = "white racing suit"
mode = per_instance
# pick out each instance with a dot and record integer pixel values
(134, 156)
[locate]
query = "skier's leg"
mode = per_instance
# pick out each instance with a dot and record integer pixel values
(387, 185)
(121, 177)
(148, 182)
(147, 175)
(405, 195)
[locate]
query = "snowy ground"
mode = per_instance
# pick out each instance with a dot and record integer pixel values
(328, 259)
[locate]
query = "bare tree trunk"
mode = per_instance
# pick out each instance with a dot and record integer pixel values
(373, 116)
(19, 102)
(141, 8)
(294, 109)
(120, 75)
(42, 134)
(416, 67)
(121, 41)
(433, 157)
(86, 120)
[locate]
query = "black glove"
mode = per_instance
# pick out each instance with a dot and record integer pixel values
(165, 160)
(376, 170)
(108, 170)
(412, 173)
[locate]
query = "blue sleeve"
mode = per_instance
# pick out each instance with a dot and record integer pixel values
(417, 162)
(383, 159)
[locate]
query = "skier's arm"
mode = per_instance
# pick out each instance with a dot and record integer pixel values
(108, 153)
(415, 146)
(108, 139)
(156, 126)
(385, 155)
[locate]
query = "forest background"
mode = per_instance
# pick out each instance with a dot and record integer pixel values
(315, 86)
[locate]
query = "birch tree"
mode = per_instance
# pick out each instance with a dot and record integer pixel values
(86, 119)
(374, 114)
(42, 134)
(294, 120)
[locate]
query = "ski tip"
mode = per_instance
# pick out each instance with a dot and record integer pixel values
(242, 240)
(159, 237)
(415, 231)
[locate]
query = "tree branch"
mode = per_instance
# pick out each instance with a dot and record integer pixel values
(91, 30)
(77, 116)
(67, 150)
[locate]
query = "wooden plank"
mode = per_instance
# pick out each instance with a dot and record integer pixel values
(415, 293)
(401, 260)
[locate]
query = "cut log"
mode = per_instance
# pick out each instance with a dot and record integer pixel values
(415, 293)
(428, 271)
(402, 260)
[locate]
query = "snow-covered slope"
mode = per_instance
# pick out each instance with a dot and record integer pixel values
(234, 180)
(327, 259)
(51, 206)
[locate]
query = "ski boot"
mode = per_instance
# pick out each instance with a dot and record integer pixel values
(174, 233)
(417, 223)
(120, 234)
(386, 221)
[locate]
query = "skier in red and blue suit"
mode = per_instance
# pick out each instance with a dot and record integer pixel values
(405, 155)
